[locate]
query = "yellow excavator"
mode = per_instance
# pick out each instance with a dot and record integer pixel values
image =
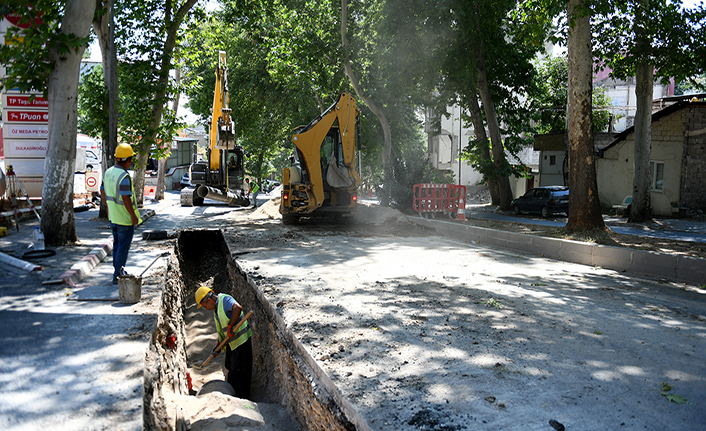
(221, 176)
(322, 179)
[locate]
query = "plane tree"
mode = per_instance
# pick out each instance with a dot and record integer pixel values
(492, 87)
(648, 39)
(147, 35)
(47, 61)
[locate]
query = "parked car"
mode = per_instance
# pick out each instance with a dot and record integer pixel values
(185, 181)
(93, 163)
(543, 200)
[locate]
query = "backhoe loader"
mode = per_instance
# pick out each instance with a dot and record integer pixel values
(322, 180)
(222, 175)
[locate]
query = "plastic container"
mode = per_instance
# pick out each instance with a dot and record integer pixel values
(38, 239)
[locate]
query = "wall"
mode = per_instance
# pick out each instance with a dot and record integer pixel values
(693, 191)
(552, 175)
(616, 170)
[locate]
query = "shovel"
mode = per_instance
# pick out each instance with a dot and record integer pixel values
(223, 343)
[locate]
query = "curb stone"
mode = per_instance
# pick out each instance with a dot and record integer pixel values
(82, 268)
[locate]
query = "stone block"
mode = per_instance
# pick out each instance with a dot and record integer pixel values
(617, 258)
(519, 241)
(691, 269)
(547, 247)
(578, 252)
(652, 263)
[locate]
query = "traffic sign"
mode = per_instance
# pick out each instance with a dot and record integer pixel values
(92, 181)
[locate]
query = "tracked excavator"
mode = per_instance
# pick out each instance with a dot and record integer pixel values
(221, 176)
(322, 180)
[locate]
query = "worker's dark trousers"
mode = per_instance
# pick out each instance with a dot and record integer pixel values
(239, 366)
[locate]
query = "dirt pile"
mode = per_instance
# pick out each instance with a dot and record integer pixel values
(269, 209)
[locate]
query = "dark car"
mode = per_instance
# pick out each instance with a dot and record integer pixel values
(543, 200)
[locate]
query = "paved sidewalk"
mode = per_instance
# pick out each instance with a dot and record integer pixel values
(71, 355)
(674, 229)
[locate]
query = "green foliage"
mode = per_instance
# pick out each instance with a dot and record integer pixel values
(549, 102)
(146, 120)
(93, 105)
(675, 38)
(138, 86)
(695, 84)
(408, 169)
(29, 60)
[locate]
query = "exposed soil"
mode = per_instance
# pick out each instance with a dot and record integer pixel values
(424, 332)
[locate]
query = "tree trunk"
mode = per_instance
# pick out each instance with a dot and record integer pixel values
(386, 132)
(642, 182)
(102, 30)
(584, 206)
(481, 136)
(150, 135)
(504, 191)
(58, 223)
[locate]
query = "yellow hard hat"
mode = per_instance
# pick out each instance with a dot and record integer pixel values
(124, 151)
(201, 292)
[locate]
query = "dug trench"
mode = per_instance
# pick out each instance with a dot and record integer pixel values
(289, 390)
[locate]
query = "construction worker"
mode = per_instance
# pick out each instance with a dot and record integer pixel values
(121, 205)
(227, 313)
(253, 189)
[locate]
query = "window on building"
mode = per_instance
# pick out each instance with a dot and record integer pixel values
(552, 160)
(657, 169)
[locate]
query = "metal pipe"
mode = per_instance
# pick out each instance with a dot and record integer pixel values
(207, 192)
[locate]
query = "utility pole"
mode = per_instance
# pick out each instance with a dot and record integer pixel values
(460, 135)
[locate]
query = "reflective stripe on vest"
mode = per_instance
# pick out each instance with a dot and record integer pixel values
(114, 200)
(219, 315)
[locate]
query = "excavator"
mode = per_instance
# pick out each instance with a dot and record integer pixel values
(221, 176)
(322, 180)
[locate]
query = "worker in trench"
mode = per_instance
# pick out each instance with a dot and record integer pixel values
(227, 313)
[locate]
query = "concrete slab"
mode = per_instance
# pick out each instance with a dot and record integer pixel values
(612, 257)
(691, 268)
(655, 264)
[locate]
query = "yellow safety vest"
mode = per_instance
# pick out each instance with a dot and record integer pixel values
(221, 318)
(114, 201)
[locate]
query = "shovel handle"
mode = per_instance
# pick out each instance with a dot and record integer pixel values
(223, 343)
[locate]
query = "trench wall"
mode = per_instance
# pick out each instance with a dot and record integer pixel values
(283, 371)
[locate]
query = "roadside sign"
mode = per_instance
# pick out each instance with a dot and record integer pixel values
(12, 116)
(15, 20)
(23, 101)
(25, 148)
(92, 181)
(25, 131)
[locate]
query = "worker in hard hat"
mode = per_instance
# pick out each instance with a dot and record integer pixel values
(227, 313)
(253, 190)
(118, 193)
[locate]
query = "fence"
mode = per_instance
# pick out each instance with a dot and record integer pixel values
(448, 199)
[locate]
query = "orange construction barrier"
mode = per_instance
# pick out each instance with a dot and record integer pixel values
(449, 199)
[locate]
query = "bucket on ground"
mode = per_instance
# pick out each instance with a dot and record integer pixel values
(129, 289)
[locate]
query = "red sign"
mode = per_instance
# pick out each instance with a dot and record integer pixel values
(14, 101)
(15, 19)
(25, 116)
